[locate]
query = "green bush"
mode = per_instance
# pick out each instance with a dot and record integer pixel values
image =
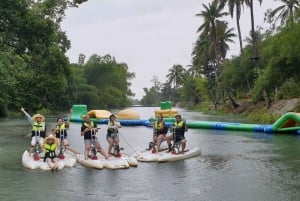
(289, 89)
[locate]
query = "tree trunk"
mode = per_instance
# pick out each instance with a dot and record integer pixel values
(255, 52)
(213, 96)
(239, 30)
(233, 103)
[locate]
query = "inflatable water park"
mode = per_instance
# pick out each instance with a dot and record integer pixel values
(287, 123)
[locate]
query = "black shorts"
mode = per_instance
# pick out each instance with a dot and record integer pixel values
(179, 138)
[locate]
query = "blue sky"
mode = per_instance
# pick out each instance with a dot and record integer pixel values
(150, 36)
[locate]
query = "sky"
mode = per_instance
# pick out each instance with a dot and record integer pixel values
(150, 36)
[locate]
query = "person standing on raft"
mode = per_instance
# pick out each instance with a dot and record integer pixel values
(38, 132)
(87, 128)
(112, 127)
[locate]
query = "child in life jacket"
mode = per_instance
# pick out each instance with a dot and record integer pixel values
(50, 146)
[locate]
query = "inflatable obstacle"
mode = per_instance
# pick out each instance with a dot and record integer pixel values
(128, 114)
(78, 111)
(287, 123)
(99, 114)
(166, 110)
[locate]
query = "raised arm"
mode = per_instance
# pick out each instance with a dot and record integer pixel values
(28, 117)
(67, 123)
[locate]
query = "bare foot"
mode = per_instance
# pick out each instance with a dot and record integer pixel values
(51, 166)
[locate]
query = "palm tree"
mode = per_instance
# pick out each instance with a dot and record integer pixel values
(176, 75)
(255, 56)
(224, 36)
(200, 55)
(211, 15)
(286, 11)
(254, 40)
(235, 6)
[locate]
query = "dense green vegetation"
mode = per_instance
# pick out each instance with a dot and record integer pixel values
(266, 69)
(36, 74)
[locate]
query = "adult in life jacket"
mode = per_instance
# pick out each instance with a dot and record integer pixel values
(180, 128)
(159, 133)
(60, 132)
(38, 132)
(87, 128)
(50, 149)
(112, 127)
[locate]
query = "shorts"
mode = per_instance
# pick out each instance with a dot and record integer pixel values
(51, 155)
(88, 142)
(37, 139)
(179, 138)
(111, 135)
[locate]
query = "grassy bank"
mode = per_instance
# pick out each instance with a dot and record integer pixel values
(252, 112)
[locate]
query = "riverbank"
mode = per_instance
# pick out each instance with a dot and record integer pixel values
(257, 112)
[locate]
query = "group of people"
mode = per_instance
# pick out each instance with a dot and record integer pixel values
(50, 142)
(160, 131)
(87, 129)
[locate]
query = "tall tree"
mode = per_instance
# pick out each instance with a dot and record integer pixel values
(286, 11)
(111, 80)
(224, 36)
(211, 15)
(255, 57)
(235, 7)
(176, 75)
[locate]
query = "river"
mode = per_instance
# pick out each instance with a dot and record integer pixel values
(234, 166)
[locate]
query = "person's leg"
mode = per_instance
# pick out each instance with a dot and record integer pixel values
(87, 146)
(154, 140)
(99, 148)
(55, 163)
(110, 145)
(68, 147)
(183, 144)
(32, 144)
(49, 162)
(66, 142)
(169, 140)
(159, 140)
(41, 143)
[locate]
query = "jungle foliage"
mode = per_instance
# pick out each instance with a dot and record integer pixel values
(36, 74)
(266, 69)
